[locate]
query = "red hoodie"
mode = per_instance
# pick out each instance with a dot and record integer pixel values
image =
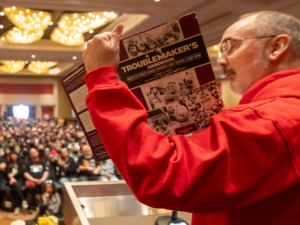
(242, 170)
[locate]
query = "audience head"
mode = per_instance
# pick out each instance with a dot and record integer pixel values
(25, 151)
(14, 156)
(34, 154)
(75, 150)
(87, 151)
(49, 187)
(64, 154)
(41, 150)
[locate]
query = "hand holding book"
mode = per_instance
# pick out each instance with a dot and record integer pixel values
(103, 50)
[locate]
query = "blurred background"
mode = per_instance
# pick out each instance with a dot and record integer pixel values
(42, 41)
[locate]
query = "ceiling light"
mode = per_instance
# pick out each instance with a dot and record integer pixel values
(2, 13)
(1, 26)
(74, 57)
(50, 23)
(54, 71)
(10, 66)
(33, 56)
(216, 47)
(222, 76)
(70, 39)
(30, 25)
(25, 20)
(26, 62)
(91, 31)
(72, 24)
(157, 0)
(40, 67)
(19, 36)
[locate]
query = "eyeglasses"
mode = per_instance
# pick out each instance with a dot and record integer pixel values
(225, 46)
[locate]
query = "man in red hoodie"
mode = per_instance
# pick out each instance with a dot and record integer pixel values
(244, 168)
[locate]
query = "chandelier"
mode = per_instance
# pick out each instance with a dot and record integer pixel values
(72, 26)
(10, 66)
(30, 25)
(66, 37)
(19, 36)
(40, 67)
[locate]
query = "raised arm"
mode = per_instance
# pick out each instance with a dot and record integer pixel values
(208, 172)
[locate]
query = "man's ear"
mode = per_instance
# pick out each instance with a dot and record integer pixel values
(279, 46)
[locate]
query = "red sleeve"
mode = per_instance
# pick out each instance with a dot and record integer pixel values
(238, 160)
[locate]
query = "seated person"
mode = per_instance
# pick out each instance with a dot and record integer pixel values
(24, 156)
(42, 153)
(75, 153)
(14, 171)
(89, 169)
(53, 166)
(36, 172)
(49, 202)
(107, 171)
(67, 167)
(3, 180)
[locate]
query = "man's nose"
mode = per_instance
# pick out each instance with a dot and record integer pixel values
(222, 61)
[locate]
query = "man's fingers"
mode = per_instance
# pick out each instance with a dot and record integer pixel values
(118, 30)
(117, 33)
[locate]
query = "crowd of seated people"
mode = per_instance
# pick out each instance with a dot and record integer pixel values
(38, 157)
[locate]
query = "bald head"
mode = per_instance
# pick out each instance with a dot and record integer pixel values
(254, 47)
(271, 22)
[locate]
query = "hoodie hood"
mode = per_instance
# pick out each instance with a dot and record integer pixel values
(284, 84)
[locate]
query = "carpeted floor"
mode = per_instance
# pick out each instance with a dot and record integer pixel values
(7, 217)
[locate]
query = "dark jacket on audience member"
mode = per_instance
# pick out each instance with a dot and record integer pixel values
(16, 169)
(87, 162)
(69, 168)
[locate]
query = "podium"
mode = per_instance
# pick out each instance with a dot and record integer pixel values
(108, 203)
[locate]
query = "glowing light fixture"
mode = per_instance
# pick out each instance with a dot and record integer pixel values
(27, 19)
(67, 38)
(54, 71)
(10, 66)
(2, 13)
(1, 26)
(40, 67)
(30, 25)
(72, 26)
(216, 47)
(74, 57)
(19, 36)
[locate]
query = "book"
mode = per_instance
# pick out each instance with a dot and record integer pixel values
(168, 69)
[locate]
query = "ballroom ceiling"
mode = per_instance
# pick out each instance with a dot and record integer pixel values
(214, 17)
